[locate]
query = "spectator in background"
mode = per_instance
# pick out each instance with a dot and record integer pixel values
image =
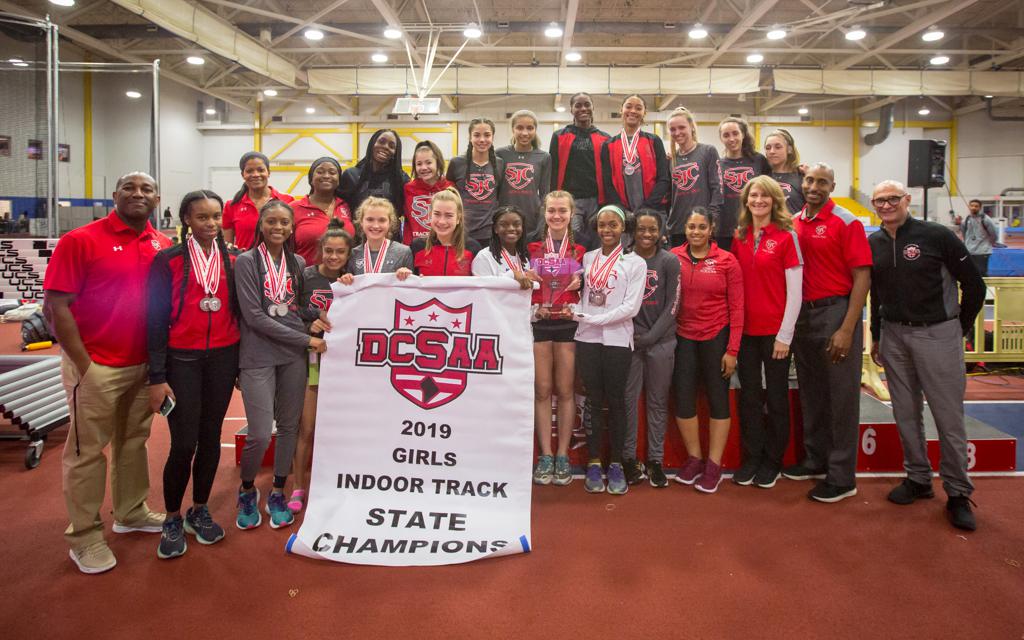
(979, 235)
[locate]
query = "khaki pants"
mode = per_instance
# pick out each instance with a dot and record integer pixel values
(109, 405)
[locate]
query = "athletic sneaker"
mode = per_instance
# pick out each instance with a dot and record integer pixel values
(828, 492)
(745, 475)
(172, 539)
(766, 476)
(656, 474)
(199, 523)
(802, 472)
(909, 491)
(277, 509)
(152, 523)
(542, 472)
(692, 469)
(634, 470)
(248, 513)
(617, 484)
(297, 500)
(563, 471)
(958, 508)
(594, 483)
(711, 478)
(94, 558)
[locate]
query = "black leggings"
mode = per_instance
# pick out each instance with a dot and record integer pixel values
(604, 371)
(763, 441)
(700, 361)
(202, 385)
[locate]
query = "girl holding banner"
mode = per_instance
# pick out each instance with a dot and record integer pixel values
(613, 288)
(446, 251)
(377, 223)
(272, 359)
(506, 254)
(556, 261)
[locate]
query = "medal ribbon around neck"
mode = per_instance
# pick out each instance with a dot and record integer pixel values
(549, 244)
(513, 262)
(597, 276)
(629, 146)
(207, 269)
(378, 264)
(275, 277)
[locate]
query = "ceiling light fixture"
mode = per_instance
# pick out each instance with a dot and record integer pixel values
(313, 34)
(803, 111)
(573, 56)
(392, 33)
(310, 109)
(379, 57)
(754, 58)
(856, 34)
(18, 62)
(560, 108)
(133, 94)
(923, 111)
(553, 30)
(472, 31)
(776, 34)
(698, 32)
(63, 3)
(270, 93)
(932, 34)
(989, 97)
(196, 60)
(937, 60)
(210, 111)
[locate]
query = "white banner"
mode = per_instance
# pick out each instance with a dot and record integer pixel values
(424, 429)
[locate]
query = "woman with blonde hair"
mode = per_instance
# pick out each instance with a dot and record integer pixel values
(693, 167)
(767, 250)
(377, 222)
(446, 251)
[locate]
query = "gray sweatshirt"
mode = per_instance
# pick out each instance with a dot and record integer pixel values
(979, 232)
(696, 182)
(656, 321)
(525, 182)
(480, 188)
(398, 256)
(267, 341)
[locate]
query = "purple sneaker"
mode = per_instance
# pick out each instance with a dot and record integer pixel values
(711, 477)
(594, 482)
(692, 469)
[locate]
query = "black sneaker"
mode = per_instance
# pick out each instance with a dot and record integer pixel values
(744, 475)
(199, 523)
(172, 539)
(908, 491)
(800, 472)
(656, 474)
(958, 508)
(634, 470)
(766, 476)
(828, 492)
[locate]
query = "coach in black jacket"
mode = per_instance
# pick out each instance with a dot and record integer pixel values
(918, 327)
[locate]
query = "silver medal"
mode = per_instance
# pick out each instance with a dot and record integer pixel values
(596, 298)
(212, 304)
(629, 169)
(282, 310)
(204, 304)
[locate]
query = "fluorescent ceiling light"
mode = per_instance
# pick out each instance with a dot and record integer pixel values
(196, 60)
(937, 60)
(379, 57)
(933, 34)
(574, 56)
(923, 111)
(391, 33)
(754, 58)
(63, 3)
(210, 111)
(698, 32)
(310, 109)
(270, 93)
(472, 31)
(776, 34)
(856, 34)
(314, 34)
(560, 108)
(803, 111)
(553, 31)
(133, 94)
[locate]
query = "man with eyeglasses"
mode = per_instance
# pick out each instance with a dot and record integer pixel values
(918, 329)
(829, 337)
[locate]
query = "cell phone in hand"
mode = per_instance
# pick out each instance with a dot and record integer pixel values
(167, 406)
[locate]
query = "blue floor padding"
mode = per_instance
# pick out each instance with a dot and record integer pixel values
(1007, 417)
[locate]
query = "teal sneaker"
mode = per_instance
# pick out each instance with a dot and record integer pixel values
(542, 472)
(563, 471)
(277, 509)
(248, 513)
(594, 482)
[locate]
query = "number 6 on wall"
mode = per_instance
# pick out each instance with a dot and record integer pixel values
(867, 442)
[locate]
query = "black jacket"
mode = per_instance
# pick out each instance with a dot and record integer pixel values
(914, 275)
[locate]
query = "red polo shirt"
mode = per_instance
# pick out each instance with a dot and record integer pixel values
(106, 265)
(310, 224)
(764, 277)
(242, 217)
(833, 243)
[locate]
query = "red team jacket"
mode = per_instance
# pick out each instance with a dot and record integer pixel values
(712, 296)
(648, 164)
(565, 140)
(417, 208)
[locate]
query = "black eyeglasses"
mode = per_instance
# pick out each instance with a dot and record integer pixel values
(892, 201)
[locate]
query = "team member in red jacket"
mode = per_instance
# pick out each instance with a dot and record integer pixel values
(709, 326)
(636, 172)
(428, 169)
(192, 336)
(576, 167)
(96, 303)
(315, 211)
(769, 256)
(241, 214)
(446, 251)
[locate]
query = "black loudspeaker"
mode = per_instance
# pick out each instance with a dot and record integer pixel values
(926, 166)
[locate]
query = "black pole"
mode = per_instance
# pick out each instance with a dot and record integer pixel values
(924, 207)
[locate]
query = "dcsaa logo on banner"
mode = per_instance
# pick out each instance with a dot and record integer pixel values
(424, 430)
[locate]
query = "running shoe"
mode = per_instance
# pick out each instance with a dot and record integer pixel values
(94, 558)
(617, 484)
(172, 539)
(634, 470)
(542, 472)
(692, 470)
(594, 482)
(297, 500)
(745, 475)
(828, 492)
(656, 474)
(767, 475)
(277, 509)
(248, 513)
(711, 478)
(199, 523)
(563, 471)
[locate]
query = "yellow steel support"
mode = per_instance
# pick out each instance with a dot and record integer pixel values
(455, 138)
(87, 118)
(295, 138)
(855, 181)
(354, 131)
(757, 135)
(953, 161)
(257, 131)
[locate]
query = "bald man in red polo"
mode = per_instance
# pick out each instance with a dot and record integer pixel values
(95, 302)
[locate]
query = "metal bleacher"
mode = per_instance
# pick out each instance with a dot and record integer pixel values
(22, 267)
(32, 400)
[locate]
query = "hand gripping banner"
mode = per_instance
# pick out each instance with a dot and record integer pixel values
(424, 427)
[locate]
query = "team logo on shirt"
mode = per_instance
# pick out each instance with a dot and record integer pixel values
(911, 252)
(685, 177)
(651, 285)
(519, 175)
(156, 245)
(769, 246)
(431, 351)
(709, 266)
(480, 186)
(735, 177)
(321, 299)
(785, 186)
(420, 210)
(288, 289)
(819, 231)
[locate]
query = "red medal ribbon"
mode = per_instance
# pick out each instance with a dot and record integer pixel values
(512, 262)
(379, 262)
(629, 147)
(549, 245)
(207, 269)
(597, 276)
(275, 278)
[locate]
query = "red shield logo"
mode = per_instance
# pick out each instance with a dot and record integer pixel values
(911, 252)
(480, 186)
(685, 176)
(420, 210)
(432, 388)
(735, 178)
(786, 187)
(519, 175)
